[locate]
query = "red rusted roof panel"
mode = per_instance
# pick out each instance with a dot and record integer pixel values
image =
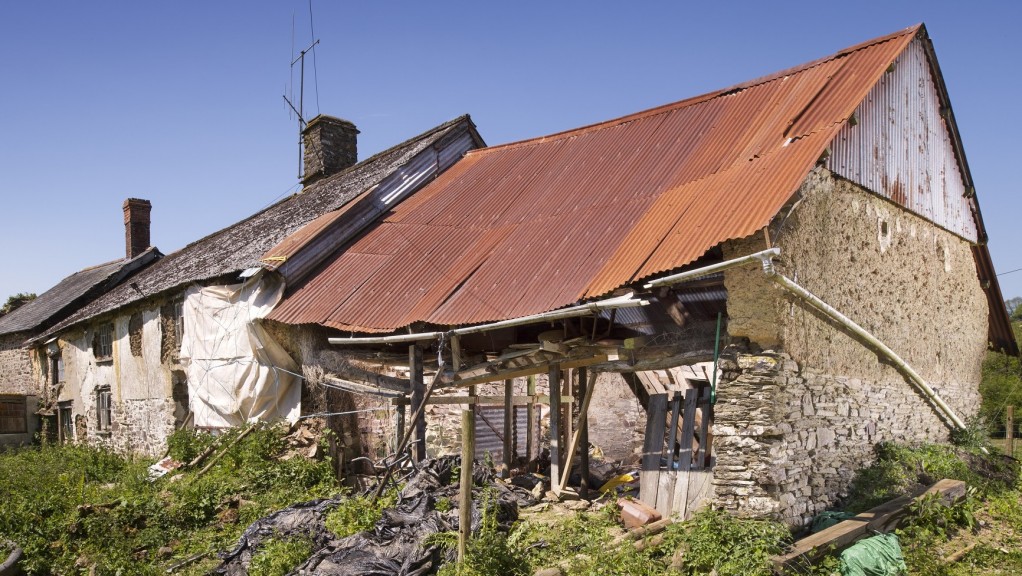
(537, 225)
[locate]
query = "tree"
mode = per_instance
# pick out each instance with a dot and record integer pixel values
(15, 302)
(1014, 307)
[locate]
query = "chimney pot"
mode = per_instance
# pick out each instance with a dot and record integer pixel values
(136, 226)
(331, 145)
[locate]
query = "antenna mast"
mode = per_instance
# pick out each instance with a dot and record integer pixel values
(301, 100)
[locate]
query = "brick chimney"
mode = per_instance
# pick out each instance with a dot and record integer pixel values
(331, 145)
(136, 226)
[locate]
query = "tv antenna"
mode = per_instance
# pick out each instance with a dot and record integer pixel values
(300, 60)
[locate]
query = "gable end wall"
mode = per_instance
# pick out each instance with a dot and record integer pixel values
(793, 425)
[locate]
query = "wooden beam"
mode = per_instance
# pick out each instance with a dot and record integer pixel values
(468, 449)
(349, 372)
(450, 380)
(356, 388)
(555, 428)
(587, 385)
(531, 445)
(418, 387)
(883, 518)
(575, 439)
(481, 400)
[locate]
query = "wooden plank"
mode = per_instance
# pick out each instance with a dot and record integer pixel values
(705, 439)
(883, 518)
(575, 439)
(587, 383)
(568, 417)
(418, 389)
(652, 449)
(523, 372)
(650, 382)
(509, 417)
(700, 490)
(687, 429)
(665, 491)
(531, 443)
(555, 428)
(1009, 431)
(400, 425)
(356, 388)
(468, 449)
(672, 430)
(478, 400)
(681, 487)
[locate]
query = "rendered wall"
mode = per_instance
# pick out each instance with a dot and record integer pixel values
(791, 430)
(143, 413)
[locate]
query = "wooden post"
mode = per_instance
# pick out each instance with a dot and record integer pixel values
(468, 449)
(1009, 431)
(575, 440)
(418, 388)
(587, 386)
(509, 416)
(531, 445)
(400, 425)
(555, 427)
(569, 411)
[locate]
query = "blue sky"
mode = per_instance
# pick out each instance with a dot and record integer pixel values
(180, 102)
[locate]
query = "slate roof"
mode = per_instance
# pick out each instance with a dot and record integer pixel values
(240, 245)
(72, 292)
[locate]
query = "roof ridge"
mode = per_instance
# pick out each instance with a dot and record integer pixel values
(670, 107)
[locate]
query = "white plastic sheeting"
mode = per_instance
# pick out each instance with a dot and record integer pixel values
(236, 372)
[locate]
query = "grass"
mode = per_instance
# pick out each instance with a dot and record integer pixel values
(74, 508)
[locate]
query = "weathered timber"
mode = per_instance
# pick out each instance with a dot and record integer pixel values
(357, 388)
(882, 518)
(418, 388)
(468, 449)
(555, 428)
(576, 437)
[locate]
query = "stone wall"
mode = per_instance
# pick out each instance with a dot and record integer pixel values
(15, 365)
(794, 423)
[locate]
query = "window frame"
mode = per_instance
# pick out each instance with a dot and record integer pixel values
(104, 410)
(103, 341)
(13, 409)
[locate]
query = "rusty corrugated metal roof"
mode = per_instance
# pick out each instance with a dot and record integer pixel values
(537, 225)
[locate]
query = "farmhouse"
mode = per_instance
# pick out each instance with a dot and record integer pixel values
(32, 381)
(739, 293)
(781, 274)
(179, 345)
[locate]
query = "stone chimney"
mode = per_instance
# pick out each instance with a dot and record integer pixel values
(136, 226)
(331, 145)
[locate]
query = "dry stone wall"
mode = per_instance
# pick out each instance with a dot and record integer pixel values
(15, 365)
(795, 422)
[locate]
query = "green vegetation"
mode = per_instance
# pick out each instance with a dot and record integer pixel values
(16, 301)
(359, 513)
(73, 507)
(1001, 385)
(277, 557)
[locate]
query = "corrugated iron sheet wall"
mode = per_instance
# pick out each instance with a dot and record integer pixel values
(490, 430)
(901, 148)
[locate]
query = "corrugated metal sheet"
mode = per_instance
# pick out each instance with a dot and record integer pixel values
(489, 428)
(537, 225)
(902, 113)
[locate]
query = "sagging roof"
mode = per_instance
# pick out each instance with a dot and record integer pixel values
(73, 292)
(536, 225)
(240, 245)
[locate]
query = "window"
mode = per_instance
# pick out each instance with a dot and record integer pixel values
(65, 419)
(56, 368)
(104, 409)
(103, 342)
(12, 415)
